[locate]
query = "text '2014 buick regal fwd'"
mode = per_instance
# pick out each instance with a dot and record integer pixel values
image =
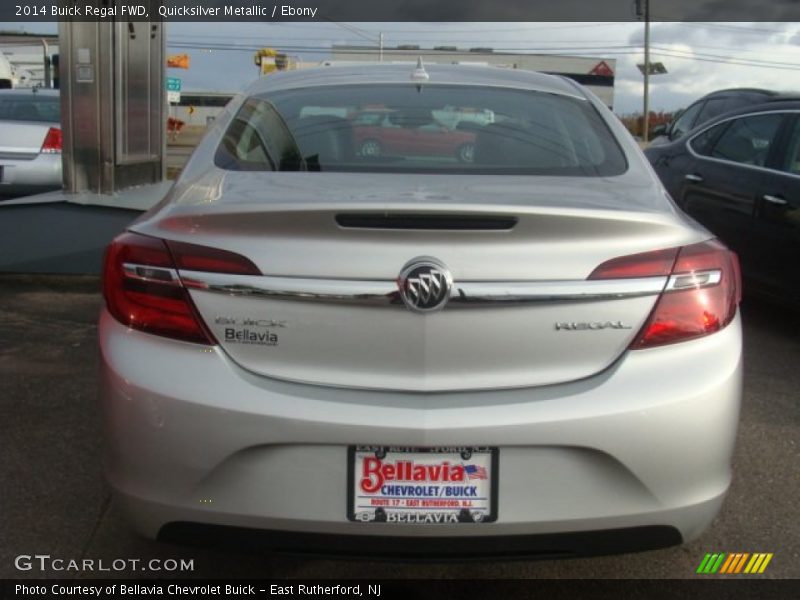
(472, 324)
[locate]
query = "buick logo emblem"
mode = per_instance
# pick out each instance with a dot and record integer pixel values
(425, 285)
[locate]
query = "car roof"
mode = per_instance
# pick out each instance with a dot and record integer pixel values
(784, 97)
(734, 91)
(374, 73)
(770, 105)
(773, 104)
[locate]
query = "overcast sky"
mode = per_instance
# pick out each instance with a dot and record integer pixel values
(699, 57)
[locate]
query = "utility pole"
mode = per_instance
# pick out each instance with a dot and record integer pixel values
(643, 10)
(46, 58)
(380, 52)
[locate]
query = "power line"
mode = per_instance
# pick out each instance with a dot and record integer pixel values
(753, 30)
(439, 40)
(441, 28)
(362, 33)
(598, 46)
(368, 49)
(766, 63)
(727, 62)
(728, 49)
(621, 50)
(572, 50)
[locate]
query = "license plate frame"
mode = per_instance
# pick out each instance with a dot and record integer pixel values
(478, 509)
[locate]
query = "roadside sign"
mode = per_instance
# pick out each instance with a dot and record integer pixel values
(173, 97)
(178, 61)
(602, 68)
(656, 68)
(173, 84)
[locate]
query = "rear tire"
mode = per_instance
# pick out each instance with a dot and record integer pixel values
(466, 153)
(370, 148)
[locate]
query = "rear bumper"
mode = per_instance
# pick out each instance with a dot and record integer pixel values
(30, 176)
(194, 438)
(564, 545)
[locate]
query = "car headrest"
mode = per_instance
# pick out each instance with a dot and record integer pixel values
(324, 139)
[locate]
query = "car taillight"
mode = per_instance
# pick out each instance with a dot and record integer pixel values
(700, 297)
(52, 141)
(143, 290)
(645, 264)
(192, 257)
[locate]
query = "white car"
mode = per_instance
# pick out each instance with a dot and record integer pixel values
(531, 352)
(30, 141)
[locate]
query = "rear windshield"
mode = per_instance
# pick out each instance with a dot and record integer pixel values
(30, 107)
(427, 129)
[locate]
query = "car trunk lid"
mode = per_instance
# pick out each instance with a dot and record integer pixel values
(327, 309)
(21, 140)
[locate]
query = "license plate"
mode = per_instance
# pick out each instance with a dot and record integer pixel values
(422, 485)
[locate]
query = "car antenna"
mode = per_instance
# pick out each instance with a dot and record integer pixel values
(420, 75)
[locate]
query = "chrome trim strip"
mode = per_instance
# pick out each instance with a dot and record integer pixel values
(529, 292)
(145, 272)
(385, 292)
(694, 280)
(293, 288)
(18, 155)
(777, 200)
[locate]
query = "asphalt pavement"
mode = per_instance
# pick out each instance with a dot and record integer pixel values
(54, 500)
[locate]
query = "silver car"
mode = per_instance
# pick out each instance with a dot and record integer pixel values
(531, 351)
(30, 141)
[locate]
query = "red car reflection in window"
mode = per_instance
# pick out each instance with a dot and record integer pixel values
(395, 133)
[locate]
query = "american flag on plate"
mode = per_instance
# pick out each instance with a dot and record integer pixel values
(475, 472)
